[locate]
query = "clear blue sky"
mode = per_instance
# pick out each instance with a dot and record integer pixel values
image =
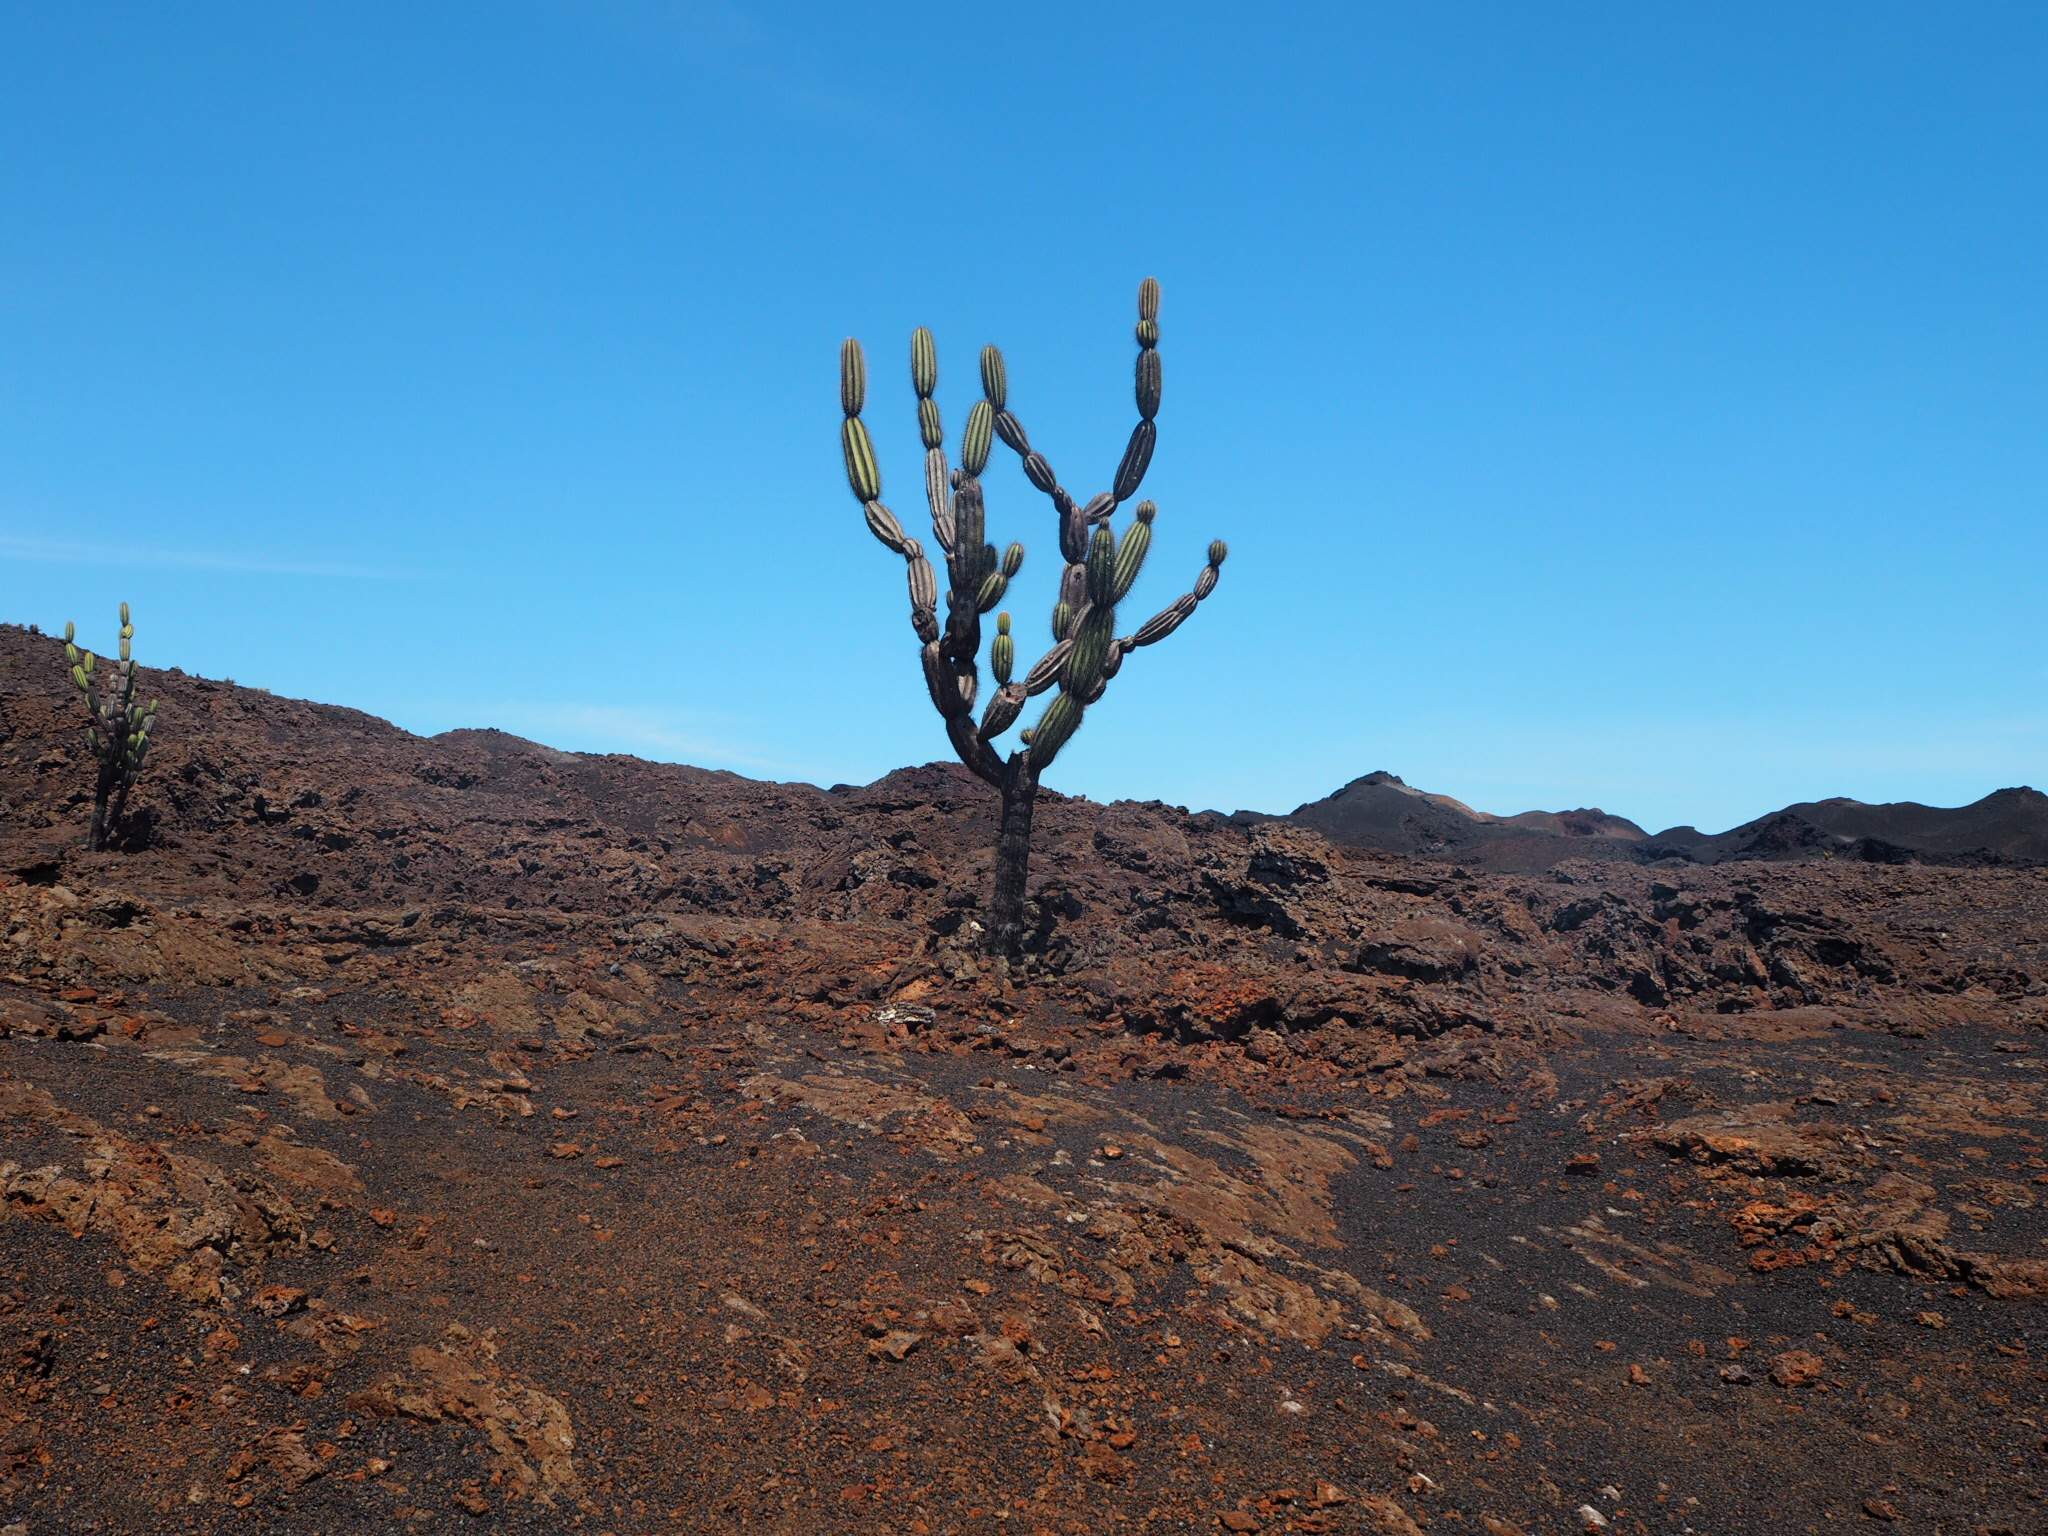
(1638, 406)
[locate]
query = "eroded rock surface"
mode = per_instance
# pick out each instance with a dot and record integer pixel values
(447, 1134)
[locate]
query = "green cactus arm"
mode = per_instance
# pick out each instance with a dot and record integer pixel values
(882, 523)
(1175, 614)
(1137, 456)
(975, 442)
(992, 415)
(853, 378)
(1161, 624)
(1002, 651)
(1100, 567)
(1055, 729)
(931, 431)
(938, 495)
(1137, 459)
(863, 472)
(1003, 709)
(1130, 554)
(924, 584)
(1046, 671)
(1092, 639)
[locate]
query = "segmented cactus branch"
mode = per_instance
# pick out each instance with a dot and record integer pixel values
(120, 729)
(1101, 568)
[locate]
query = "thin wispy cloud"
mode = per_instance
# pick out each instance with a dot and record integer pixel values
(57, 552)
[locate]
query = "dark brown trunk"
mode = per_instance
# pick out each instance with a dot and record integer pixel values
(117, 812)
(1013, 858)
(96, 837)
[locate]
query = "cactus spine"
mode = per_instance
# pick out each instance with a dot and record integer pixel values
(119, 729)
(1100, 571)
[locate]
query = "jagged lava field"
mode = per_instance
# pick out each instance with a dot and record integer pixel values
(455, 1134)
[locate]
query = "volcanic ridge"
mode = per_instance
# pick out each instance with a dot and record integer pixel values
(2008, 826)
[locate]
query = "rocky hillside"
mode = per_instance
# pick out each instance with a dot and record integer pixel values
(458, 1134)
(2006, 827)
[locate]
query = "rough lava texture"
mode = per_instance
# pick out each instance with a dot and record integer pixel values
(428, 1135)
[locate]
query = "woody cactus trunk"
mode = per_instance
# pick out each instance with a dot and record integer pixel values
(1101, 567)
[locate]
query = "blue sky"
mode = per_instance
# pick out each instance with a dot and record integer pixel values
(1637, 406)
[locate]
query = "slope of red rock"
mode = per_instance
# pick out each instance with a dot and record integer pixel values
(457, 1134)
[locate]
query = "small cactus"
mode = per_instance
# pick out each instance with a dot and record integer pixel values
(1100, 570)
(120, 729)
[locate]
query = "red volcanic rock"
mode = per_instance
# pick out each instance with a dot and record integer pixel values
(1244, 1183)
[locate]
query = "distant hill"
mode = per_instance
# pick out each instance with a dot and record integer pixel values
(2009, 826)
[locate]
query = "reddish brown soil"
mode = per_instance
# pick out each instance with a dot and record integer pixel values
(457, 1134)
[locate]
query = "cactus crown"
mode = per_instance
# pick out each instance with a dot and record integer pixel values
(1100, 569)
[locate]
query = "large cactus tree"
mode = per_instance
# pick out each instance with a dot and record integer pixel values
(1101, 568)
(119, 731)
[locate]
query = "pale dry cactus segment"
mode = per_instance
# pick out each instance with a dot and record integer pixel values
(120, 730)
(1100, 569)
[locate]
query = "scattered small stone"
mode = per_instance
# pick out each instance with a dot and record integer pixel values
(895, 1344)
(1583, 1164)
(1797, 1368)
(564, 1149)
(1880, 1509)
(277, 1300)
(1735, 1375)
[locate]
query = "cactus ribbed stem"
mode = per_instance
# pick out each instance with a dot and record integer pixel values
(883, 525)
